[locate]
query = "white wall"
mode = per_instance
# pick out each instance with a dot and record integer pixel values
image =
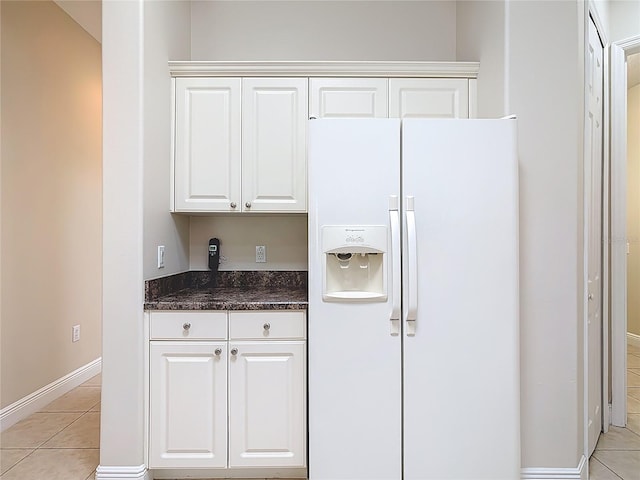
(544, 82)
(285, 237)
(633, 209)
(166, 37)
(540, 82)
(51, 196)
(321, 30)
(481, 37)
(624, 19)
(137, 39)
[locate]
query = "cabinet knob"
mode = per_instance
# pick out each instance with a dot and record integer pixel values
(248, 204)
(266, 326)
(218, 351)
(234, 351)
(186, 326)
(233, 205)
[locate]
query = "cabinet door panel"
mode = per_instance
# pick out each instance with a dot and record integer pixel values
(274, 135)
(188, 404)
(348, 97)
(267, 419)
(208, 144)
(428, 98)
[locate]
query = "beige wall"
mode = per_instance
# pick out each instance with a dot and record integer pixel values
(633, 209)
(51, 196)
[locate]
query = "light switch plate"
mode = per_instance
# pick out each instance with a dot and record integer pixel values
(160, 256)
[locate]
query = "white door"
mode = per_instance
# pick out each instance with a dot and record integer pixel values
(274, 138)
(355, 382)
(348, 97)
(208, 145)
(188, 404)
(461, 354)
(593, 236)
(267, 384)
(428, 98)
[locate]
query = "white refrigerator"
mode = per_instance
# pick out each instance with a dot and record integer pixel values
(413, 300)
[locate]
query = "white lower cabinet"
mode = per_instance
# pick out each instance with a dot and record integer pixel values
(266, 404)
(188, 404)
(237, 402)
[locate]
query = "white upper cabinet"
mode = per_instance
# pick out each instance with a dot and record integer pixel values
(428, 98)
(274, 135)
(240, 128)
(348, 97)
(207, 144)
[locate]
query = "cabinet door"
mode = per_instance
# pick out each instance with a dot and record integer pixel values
(208, 144)
(428, 98)
(267, 404)
(348, 97)
(188, 404)
(274, 136)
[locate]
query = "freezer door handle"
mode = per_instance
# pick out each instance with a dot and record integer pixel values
(394, 221)
(412, 263)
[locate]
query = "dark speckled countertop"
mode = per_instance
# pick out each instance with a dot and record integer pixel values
(232, 291)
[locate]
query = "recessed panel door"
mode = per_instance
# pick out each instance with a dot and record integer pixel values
(207, 145)
(274, 135)
(348, 97)
(593, 248)
(267, 420)
(428, 98)
(188, 404)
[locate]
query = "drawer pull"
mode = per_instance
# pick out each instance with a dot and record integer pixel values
(186, 326)
(234, 351)
(266, 326)
(218, 351)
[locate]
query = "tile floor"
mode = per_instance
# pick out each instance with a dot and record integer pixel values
(617, 454)
(60, 442)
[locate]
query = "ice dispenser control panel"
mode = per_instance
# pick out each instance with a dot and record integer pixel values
(354, 263)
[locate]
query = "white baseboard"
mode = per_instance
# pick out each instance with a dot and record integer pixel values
(578, 473)
(136, 472)
(633, 339)
(35, 401)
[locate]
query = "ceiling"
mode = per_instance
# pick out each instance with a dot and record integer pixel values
(88, 14)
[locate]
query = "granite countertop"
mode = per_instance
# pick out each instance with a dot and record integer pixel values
(232, 291)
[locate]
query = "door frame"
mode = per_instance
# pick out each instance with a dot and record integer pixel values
(619, 51)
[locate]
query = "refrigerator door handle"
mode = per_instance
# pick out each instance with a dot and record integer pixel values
(394, 221)
(412, 262)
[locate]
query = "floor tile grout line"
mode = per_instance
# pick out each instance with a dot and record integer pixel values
(18, 463)
(605, 466)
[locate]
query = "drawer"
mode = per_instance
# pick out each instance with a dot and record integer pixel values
(274, 325)
(188, 325)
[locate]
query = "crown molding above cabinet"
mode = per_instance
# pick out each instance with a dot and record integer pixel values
(324, 69)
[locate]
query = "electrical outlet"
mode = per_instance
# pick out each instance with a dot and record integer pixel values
(75, 333)
(160, 256)
(261, 254)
